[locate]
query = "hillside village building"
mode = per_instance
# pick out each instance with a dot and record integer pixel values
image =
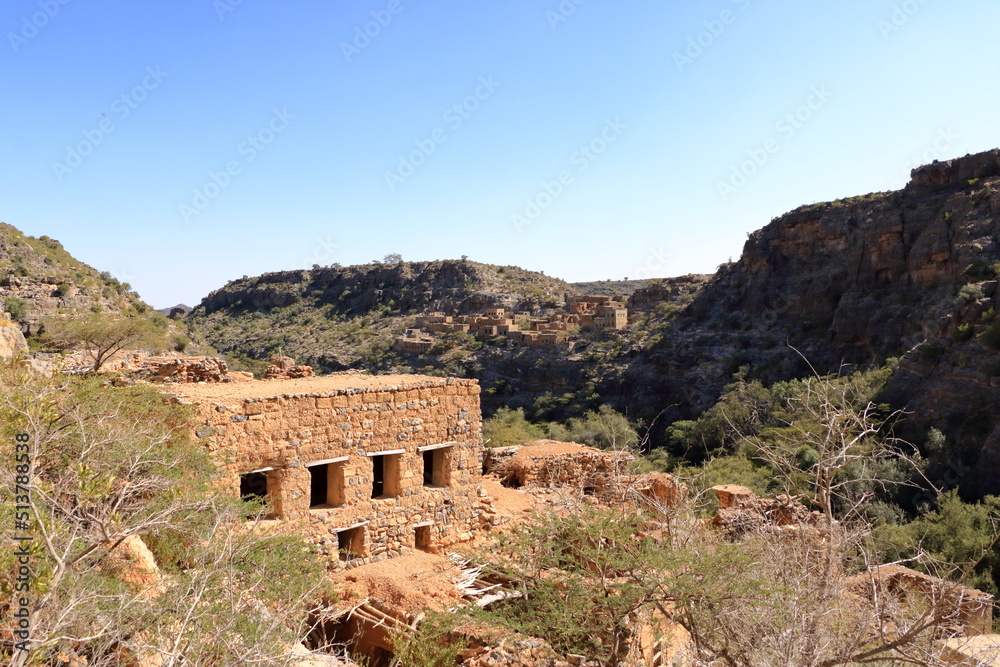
(369, 466)
(584, 312)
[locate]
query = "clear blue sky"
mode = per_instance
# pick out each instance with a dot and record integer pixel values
(116, 114)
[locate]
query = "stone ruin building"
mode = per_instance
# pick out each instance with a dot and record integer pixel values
(598, 312)
(586, 312)
(370, 467)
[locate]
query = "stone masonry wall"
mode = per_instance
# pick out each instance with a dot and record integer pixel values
(281, 435)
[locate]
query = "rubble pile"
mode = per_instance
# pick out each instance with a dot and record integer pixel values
(742, 512)
(284, 368)
(182, 370)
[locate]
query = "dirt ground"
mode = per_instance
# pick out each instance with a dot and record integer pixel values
(415, 581)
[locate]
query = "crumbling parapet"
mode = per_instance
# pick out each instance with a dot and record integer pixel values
(170, 369)
(967, 610)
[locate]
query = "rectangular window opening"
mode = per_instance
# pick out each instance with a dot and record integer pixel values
(351, 543)
(378, 476)
(386, 481)
(327, 486)
(253, 486)
(318, 485)
(437, 467)
(422, 538)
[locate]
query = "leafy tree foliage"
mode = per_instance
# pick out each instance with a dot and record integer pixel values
(101, 335)
(604, 428)
(509, 427)
(955, 534)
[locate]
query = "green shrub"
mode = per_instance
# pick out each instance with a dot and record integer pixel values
(991, 337)
(604, 428)
(18, 308)
(963, 333)
(508, 427)
(64, 289)
(180, 342)
(980, 271)
(969, 294)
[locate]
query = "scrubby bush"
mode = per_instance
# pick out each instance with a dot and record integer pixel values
(18, 308)
(969, 294)
(509, 427)
(991, 337)
(603, 428)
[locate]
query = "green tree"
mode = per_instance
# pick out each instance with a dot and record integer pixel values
(604, 428)
(956, 536)
(18, 308)
(508, 427)
(101, 335)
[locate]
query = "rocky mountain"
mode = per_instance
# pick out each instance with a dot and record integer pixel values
(39, 278)
(180, 310)
(339, 317)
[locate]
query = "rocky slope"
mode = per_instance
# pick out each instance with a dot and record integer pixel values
(340, 317)
(38, 278)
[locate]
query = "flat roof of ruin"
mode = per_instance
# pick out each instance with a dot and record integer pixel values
(202, 392)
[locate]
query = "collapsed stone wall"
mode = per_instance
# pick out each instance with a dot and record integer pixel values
(586, 470)
(548, 463)
(348, 431)
(967, 610)
(182, 369)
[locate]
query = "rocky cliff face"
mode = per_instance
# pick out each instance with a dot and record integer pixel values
(909, 274)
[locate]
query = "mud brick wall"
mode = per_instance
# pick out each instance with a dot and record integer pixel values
(282, 435)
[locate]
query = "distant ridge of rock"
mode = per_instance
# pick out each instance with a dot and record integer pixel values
(174, 312)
